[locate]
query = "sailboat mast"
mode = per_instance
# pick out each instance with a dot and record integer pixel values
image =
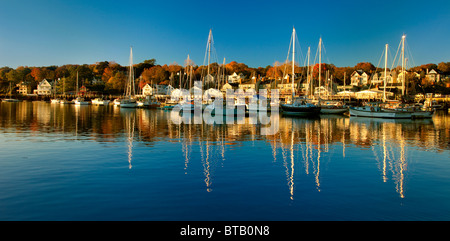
(293, 62)
(77, 84)
(209, 48)
(307, 73)
(320, 64)
(130, 87)
(385, 73)
(403, 65)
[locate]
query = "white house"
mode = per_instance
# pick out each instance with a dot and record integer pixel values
(24, 88)
(359, 77)
(235, 78)
(433, 76)
(44, 88)
(378, 78)
(147, 90)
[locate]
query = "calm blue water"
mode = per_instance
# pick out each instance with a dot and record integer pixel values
(103, 163)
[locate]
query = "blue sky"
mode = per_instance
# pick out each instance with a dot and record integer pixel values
(50, 32)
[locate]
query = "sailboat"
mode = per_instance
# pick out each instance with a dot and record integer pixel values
(299, 106)
(79, 100)
(10, 99)
(55, 100)
(328, 106)
(100, 101)
(128, 101)
(374, 110)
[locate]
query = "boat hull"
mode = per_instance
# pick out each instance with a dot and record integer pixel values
(81, 103)
(128, 105)
(335, 111)
(422, 114)
(11, 100)
(381, 114)
(300, 111)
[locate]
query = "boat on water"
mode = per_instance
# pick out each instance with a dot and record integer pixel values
(149, 102)
(374, 110)
(239, 108)
(332, 107)
(100, 101)
(299, 106)
(10, 99)
(116, 102)
(129, 100)
(65, 102)
(80, 101)
(128, 103)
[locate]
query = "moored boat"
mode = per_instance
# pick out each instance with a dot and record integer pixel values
(373, 110)
(100, 101)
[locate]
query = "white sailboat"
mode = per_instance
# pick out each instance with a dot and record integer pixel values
(298, 106)
(328, 106)
(128, 101)
(10, 99)
(79, 100)
(374, 110)
(100, 101)
(55, 100)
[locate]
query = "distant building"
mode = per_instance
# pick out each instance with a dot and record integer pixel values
(359, 78)
(432, 76)
(24, 88)
(247, 86)
(235, 78)
(44, 88)
(379, 78)
(162, 90)
(147, 90)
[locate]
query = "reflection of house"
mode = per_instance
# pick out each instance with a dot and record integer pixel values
(44, 88)
(23, 88)
(359, 77)
(432, 76)
(235, 78)
(147, 90)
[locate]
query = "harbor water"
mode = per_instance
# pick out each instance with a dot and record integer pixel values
(67, 162)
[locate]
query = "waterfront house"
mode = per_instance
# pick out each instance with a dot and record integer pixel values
(359, 78)
(44, 88)
(226, 87)
(147, 90)
(235, 78)
(379, 78)
(24, 88)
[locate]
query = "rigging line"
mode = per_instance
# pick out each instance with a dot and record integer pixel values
(410, 53)
(395, 58)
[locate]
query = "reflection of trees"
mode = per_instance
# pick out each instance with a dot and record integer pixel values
(300, 145)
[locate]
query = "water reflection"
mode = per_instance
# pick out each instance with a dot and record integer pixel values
(300, 145)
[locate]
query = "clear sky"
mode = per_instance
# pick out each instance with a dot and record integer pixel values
(257, 33)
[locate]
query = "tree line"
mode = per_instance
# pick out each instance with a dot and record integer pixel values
(113, 76)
